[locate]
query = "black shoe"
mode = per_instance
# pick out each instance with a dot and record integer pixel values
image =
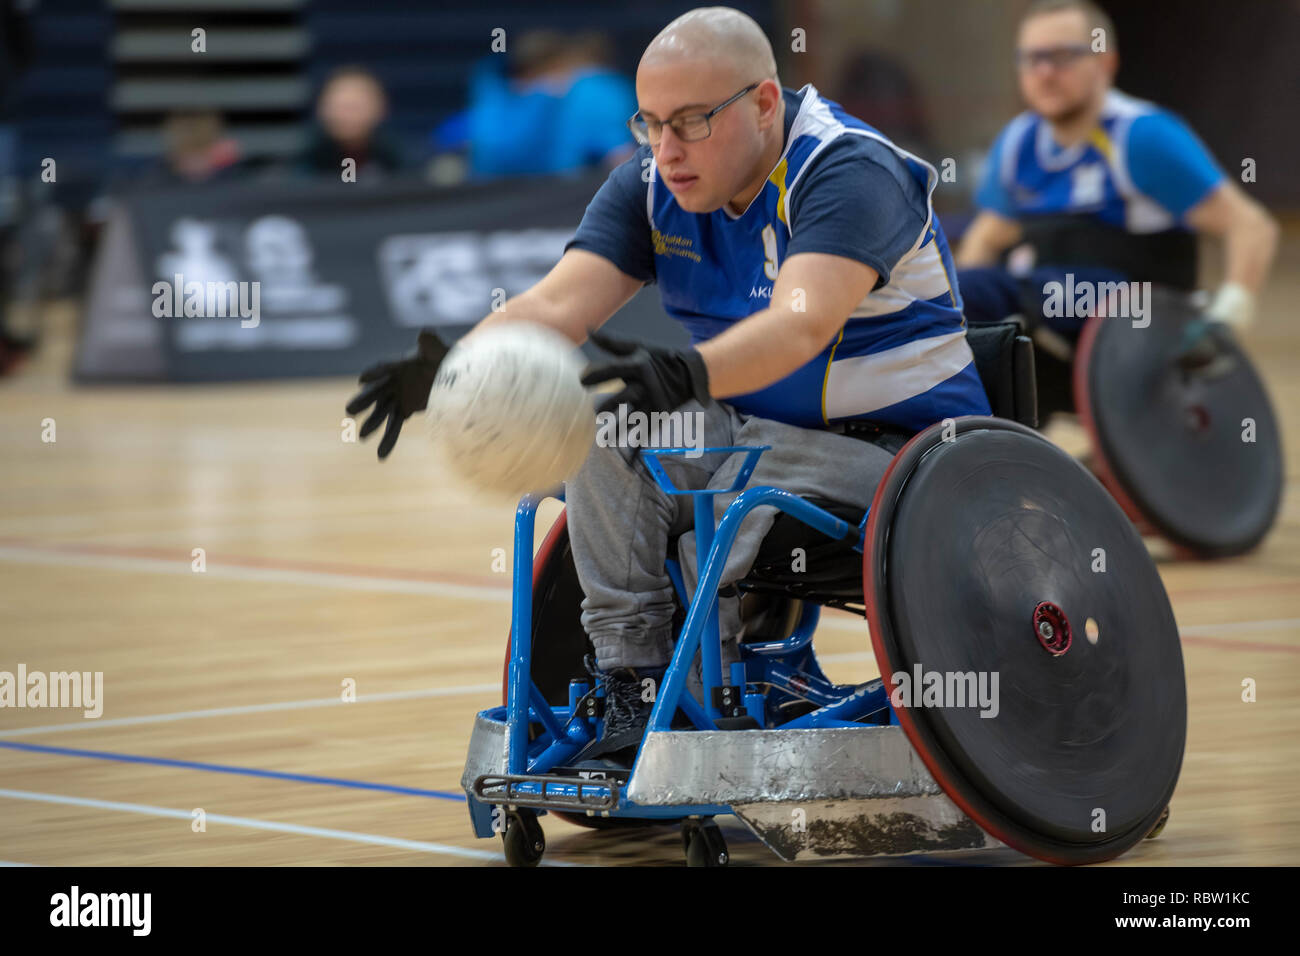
(627, 714)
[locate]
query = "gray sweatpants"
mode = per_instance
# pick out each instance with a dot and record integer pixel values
(620, 522)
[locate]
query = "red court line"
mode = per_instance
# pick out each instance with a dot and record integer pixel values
(446, 577)
(480, 580)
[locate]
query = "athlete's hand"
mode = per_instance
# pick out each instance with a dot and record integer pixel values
(398, 389)
(1206, 349)
(654, 379)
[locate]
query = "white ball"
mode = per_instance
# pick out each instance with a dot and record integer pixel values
(507, 411)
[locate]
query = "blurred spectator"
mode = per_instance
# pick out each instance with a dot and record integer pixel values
(349, 114)
(552, 106)
(195, 150)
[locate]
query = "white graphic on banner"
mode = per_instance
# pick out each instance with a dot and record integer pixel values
(448, 278)
(297, 309)
(197, 255)
(280, 255)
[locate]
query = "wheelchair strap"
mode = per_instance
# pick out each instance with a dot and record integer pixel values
(889, 437)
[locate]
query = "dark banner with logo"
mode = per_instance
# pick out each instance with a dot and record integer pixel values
(277, 279)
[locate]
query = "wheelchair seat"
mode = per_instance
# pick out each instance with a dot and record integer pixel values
(831, 571)
(1004, 358)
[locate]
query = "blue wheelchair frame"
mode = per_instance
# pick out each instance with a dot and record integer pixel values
(787, 667)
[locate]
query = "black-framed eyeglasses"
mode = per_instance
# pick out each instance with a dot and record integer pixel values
(1056, 57)
(689, 128)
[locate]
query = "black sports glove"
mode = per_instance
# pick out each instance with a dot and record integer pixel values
(654, 379)
(398, 389)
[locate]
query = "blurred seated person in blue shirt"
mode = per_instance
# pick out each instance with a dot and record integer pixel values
(550, 105)
(349, 116)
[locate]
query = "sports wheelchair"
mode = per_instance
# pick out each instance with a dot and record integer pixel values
(1193, 455)
(986, 551)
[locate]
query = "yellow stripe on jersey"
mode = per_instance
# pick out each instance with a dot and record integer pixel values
(1099, 139)
(777, 179)
(948, 277)
(827, 376)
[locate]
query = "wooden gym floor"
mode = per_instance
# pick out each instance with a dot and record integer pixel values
(223, 688)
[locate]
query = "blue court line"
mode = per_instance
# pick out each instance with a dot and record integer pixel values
(223, 768)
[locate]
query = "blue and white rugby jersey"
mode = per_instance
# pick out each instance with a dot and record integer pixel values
(901, 357)
(1141, 169)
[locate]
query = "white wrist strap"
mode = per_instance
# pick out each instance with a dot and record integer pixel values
(1233, 305)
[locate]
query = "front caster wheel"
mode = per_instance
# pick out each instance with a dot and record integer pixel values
(523, 838)
(704, 843)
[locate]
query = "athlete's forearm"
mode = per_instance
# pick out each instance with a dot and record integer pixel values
(764, 348)
(579, 294)
(530, 307)
(987, 237)
(1249, 247)
(1249, 233)
(973, 254)
(812, 298)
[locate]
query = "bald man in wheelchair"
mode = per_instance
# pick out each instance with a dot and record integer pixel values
(798, 247)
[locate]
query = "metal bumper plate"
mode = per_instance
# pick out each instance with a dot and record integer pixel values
(807, 794)
(810, 794)
(487, 751)
(763, 766)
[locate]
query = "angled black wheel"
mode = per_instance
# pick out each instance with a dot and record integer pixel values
(996, 555)
(1197, 455)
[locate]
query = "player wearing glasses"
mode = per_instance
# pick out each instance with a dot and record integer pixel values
(1099, 185)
